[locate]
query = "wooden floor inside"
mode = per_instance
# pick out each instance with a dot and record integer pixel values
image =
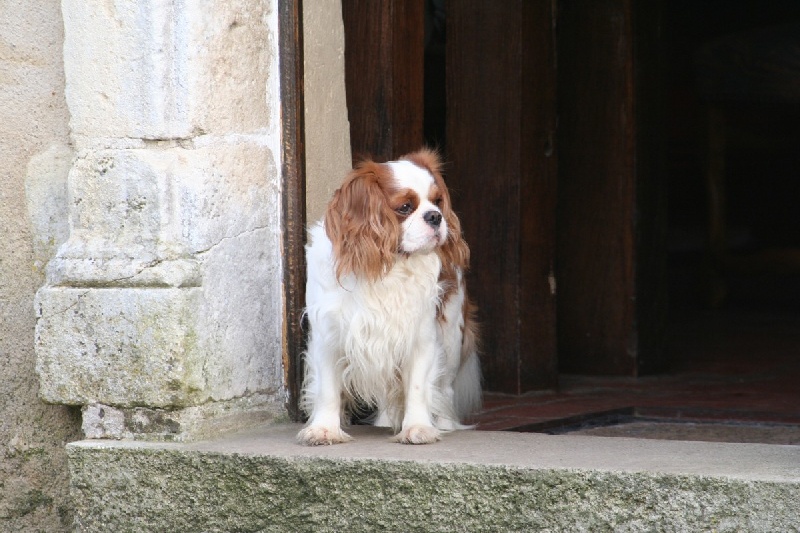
(737, 365)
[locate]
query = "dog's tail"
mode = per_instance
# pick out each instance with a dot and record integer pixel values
(467, 398)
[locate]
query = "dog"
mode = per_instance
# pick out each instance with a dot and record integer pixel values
(391, 326)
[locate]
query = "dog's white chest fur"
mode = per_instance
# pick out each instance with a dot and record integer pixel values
(374, 327)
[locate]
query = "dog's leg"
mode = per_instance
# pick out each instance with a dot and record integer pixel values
(418, 382)
(325, 398)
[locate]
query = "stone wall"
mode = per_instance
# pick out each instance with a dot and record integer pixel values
(141, 199)
(34, 142)
(161, 315)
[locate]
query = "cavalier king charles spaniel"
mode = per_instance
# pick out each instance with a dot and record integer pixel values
(391, 328)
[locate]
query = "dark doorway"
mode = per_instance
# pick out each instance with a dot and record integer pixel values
(553, 130)
(577, 143)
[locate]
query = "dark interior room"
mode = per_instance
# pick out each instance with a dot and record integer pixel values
(640, 163)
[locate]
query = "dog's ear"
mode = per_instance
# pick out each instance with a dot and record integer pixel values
(361, 225)
(454, 253)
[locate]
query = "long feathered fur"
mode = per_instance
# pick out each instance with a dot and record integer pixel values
(391, 325)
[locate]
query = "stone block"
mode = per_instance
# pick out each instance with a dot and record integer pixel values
(193, 423)
(46, 195)
(168, 347)
(166, 69)
(263, 480)
(242, 315)
(232, 49)
(122, 347)
(139, 217)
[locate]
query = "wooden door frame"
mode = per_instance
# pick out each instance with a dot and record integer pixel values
(293, 178)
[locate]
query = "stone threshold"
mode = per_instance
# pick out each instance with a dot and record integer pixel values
(260, 480)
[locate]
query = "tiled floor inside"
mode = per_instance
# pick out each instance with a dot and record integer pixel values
(735, 376)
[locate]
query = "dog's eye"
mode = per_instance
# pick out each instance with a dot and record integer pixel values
(438, 202)
(405, 209)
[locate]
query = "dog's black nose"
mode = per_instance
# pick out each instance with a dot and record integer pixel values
(434, 218)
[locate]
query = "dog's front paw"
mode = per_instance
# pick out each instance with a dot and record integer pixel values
(417, 435)
(322, 436)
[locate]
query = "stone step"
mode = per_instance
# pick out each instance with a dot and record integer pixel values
(260, 480)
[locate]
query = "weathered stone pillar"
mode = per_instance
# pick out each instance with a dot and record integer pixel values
(162, 310)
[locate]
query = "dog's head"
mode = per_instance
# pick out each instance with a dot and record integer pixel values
(385, 210)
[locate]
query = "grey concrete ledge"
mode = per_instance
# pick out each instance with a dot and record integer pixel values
(470, 481)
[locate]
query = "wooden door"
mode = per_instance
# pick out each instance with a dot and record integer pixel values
(501, 132)
(553, 146)
(611, 204)
(384, 76)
